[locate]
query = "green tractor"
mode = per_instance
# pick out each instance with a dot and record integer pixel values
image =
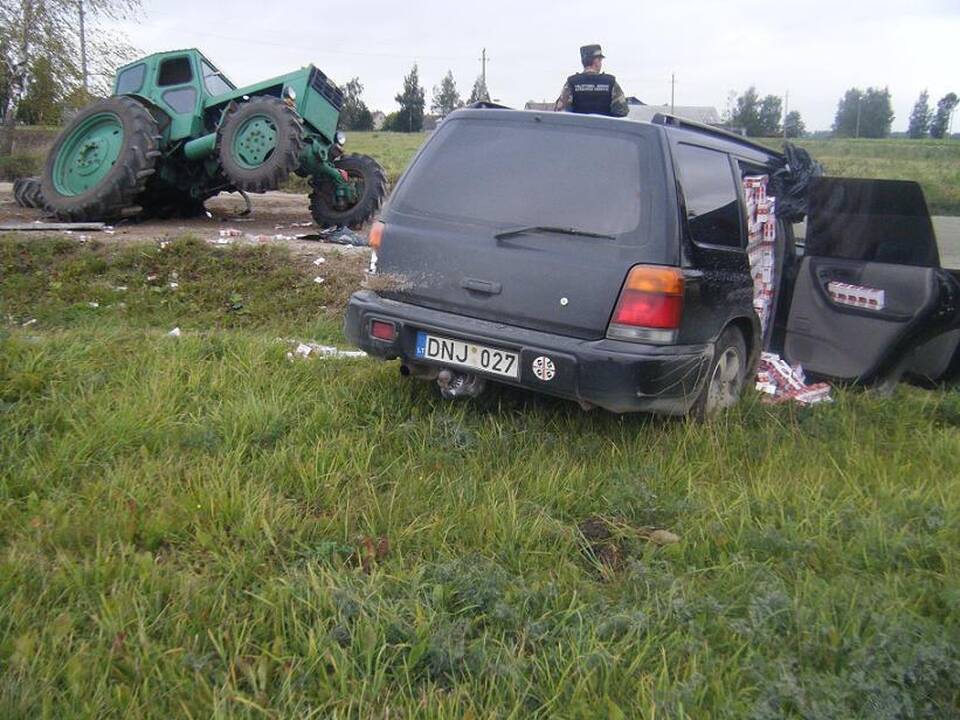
(176, 132)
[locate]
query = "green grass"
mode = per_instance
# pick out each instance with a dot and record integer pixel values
(391, 149)
(198, 527)
(935, 164)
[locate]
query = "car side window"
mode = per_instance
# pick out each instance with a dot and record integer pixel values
(710, 192)
(175, 71)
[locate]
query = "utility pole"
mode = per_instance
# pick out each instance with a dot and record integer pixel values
(673, 86)
(483, 66)
(786, 107)
(83, 51)
(859, 103)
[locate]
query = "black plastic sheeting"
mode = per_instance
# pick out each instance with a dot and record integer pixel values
(790, 181)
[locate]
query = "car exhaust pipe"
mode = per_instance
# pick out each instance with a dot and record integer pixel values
(419, 372)
(455, 385)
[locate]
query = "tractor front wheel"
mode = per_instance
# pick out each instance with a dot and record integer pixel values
(99, 165)
(259, 144)
(369, 186)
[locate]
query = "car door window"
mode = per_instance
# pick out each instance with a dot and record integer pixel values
(710, 193)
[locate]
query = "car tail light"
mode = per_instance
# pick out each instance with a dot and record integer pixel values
(383, 330)
(650, 305)
(376, 235)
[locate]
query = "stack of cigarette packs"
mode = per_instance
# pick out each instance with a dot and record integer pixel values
(761, 244)
(781, 382)
(775, 377)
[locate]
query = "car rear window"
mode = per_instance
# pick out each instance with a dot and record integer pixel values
(529, 174)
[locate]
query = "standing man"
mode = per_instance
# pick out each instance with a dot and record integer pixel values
(592, 91)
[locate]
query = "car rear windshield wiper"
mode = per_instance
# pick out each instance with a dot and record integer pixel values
(551, 229)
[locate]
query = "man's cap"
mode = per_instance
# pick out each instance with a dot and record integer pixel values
(589, 52)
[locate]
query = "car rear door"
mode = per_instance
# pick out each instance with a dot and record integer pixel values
(869, 290)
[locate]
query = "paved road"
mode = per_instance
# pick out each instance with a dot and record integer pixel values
(947, 229)
(948, 238)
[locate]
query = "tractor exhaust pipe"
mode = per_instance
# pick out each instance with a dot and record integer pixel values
(456, 385)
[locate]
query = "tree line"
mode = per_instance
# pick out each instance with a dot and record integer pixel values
(860, 114)
(57, 55)
(355, 115)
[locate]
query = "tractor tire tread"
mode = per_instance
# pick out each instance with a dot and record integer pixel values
(278, 167)
(375, 190)
(122, 186)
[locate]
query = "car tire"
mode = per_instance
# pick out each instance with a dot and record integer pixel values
(259, 144)
(726, 378)
(100, 163)
(366, 172)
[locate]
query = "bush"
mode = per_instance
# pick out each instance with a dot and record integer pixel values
(18, 166)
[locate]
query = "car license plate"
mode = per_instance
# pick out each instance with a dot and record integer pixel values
(468, 355)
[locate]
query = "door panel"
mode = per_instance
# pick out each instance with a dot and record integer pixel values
(832, 337)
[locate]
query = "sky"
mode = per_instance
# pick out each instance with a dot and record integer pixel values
(813, 50)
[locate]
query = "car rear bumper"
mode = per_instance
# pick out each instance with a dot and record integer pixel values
(618, 376)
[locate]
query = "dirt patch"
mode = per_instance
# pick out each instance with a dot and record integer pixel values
(609, 541)
(276, 218)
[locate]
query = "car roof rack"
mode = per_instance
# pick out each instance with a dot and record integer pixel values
(487, 105)
(678, 122)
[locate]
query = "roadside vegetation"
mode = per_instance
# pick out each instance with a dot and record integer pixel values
(935, 164)
(201, 527)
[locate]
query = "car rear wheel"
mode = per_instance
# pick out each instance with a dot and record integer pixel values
(727, 376)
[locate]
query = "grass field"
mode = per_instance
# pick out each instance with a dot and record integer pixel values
(935, 164)
(198, 527)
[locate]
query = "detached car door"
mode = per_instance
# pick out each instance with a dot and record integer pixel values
(870, 300)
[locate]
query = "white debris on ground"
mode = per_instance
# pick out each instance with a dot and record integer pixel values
(28, 323)
(775, 377)
(319, 261)
(322, 352)
(319, 280)
(93, 304)
(176, 332)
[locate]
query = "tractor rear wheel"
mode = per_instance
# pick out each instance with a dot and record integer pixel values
(27, 193)
(101, 161)
(259, 144)
(369, 183)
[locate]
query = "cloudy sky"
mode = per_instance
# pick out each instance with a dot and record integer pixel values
(814, 50)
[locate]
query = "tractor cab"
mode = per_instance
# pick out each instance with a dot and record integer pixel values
(180, 83)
